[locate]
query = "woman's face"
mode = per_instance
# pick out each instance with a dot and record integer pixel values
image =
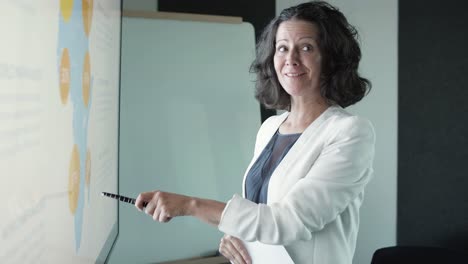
(297, 58)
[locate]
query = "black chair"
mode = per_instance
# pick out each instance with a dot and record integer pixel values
(415, 255)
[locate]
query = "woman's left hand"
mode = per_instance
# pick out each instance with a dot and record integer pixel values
(233, 249)
(163, 206)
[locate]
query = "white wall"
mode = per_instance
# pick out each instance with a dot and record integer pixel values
(377, 23)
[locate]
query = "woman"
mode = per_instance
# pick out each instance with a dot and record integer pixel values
(305, 184)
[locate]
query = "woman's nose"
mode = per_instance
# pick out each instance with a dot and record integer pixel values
(292, 59)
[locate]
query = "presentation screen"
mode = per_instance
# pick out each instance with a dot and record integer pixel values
(59, 123)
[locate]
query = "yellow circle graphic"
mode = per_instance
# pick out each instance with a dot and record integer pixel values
(88, 168)
(86, 79)
(66, 8)
(74, 179)
(64, 76)
(87, 15)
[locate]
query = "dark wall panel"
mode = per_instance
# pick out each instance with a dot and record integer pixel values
(258, 13)
(433, 124)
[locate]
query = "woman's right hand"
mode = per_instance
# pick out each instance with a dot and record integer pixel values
(233, 249)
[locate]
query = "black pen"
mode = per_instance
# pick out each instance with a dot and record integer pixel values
(122, 198)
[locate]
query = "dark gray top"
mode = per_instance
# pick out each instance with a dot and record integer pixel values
(258, 177)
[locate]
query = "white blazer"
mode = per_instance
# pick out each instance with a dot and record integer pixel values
(314, 194)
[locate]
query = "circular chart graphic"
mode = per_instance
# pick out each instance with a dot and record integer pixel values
(64, 76)
(74, 180)
(66, 8)
(87, 11)
(76, 85)
(86, 79)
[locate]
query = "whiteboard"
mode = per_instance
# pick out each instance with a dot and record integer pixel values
(59, 95)
(188, 125)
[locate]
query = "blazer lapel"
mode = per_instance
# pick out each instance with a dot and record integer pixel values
(265, 137)
(280, 175)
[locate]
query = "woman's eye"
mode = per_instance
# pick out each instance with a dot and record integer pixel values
(307, 48)
(282, 49)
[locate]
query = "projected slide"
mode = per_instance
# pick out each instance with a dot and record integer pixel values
(59, 107)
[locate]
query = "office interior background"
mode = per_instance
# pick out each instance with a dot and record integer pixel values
(413, 52)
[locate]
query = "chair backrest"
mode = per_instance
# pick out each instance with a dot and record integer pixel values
(413, 254)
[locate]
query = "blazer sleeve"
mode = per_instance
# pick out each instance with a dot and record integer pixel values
(337, 177)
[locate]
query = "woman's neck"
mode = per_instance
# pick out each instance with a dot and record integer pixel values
(302, 115)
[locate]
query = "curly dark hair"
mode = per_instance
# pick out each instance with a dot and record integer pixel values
(338, 43)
